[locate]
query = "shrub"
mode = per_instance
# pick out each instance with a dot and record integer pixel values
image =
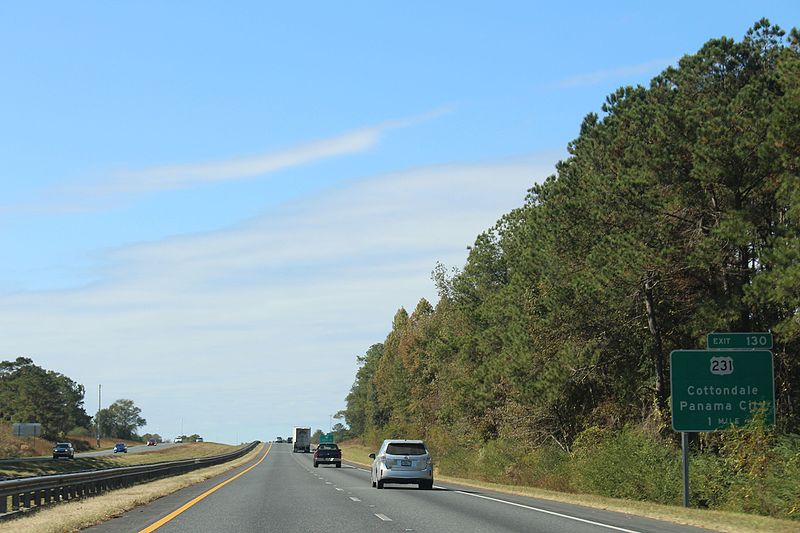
(79, 431)
(547, 467)
(759, 470)
(629, 463)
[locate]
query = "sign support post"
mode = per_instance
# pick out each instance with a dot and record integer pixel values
(685, 449)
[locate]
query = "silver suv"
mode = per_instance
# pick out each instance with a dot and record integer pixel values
(402, 461)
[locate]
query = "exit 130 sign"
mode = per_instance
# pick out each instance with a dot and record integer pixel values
(743, 341)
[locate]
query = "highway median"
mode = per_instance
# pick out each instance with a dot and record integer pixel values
(86, 512)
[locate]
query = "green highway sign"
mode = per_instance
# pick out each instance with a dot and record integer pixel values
(712, 389)
(744, 341)
(326, 437)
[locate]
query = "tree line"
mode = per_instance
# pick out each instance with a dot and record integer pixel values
(32, 394)
(676, 214)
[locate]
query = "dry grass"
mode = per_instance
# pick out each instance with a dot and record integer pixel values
(355, 452)
(80, 514)
(13, 446)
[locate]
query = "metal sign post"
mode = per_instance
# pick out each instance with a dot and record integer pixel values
(685, 450)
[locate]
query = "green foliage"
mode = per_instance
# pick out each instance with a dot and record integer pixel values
(79, 431)
(629, 463)
(120, 420)
(750, 469)
(29, 393)
(676, 214)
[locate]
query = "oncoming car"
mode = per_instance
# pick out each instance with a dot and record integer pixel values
(63, 449)
(120, 447)
(402, 461)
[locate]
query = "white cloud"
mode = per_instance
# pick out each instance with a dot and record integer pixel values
(218, 327)
(108, 192)
(179, 176)
(593, 78)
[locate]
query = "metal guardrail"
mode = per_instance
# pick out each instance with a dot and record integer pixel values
(32, 492)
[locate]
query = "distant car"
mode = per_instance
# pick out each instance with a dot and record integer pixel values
(178, 439)
(279, 440)
(402, 461)
(63, 449)
(120, 448)
(289, 440)
(328, 453)
(152, 442)
(199, 439)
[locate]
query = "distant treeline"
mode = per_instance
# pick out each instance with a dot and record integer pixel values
(676, 214)
(30, 393)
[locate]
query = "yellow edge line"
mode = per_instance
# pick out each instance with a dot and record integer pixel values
(184, 507)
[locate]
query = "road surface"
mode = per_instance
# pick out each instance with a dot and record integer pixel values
(284, 492)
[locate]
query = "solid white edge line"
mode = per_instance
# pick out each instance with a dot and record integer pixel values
(383, 517)
(547, 512)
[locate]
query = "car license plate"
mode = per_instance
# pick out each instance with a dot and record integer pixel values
(405, 462)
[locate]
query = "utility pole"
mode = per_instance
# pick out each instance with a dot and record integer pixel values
(96, 421)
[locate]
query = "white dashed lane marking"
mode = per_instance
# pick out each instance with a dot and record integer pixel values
(383, 517)
(354, 499)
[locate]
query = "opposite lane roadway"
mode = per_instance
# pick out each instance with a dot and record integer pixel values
(284, 492)
(139, 448)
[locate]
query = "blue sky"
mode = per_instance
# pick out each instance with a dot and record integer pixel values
(212, 209)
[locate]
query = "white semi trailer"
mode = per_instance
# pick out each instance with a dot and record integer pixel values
(302, 439)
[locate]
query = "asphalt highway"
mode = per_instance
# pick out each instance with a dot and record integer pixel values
(139, 448)
(282, 491)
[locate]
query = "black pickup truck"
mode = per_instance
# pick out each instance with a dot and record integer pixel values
(328, 453)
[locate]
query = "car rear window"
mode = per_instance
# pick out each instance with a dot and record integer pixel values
(328, 447)
(406, 449)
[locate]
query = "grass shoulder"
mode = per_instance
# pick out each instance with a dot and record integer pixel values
(355, 452)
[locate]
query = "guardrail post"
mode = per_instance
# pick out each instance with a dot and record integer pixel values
(3, 504)
(15, 502)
